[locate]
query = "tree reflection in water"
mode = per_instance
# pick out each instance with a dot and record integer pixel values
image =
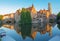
(26, 30)
(58, 25)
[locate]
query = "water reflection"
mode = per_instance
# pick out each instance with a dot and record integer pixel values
(58, 25)
(0, 23)
(43, 29)
(31, 30)
(8, 26)
(26, 30)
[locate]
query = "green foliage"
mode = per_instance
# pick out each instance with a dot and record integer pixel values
(1, 17)
(1, 20)
(25, 16)
(26, 23)
(58, 16)
(0, 23)
(26, 30)
(58, 26)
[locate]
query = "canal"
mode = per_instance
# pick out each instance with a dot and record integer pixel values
(31, 32)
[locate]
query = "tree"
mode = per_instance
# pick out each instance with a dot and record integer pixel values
(1, 17)
(25, 16)
(58, 18)
(1, 20)
(58, 25)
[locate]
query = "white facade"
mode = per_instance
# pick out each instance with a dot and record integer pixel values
(17, 17)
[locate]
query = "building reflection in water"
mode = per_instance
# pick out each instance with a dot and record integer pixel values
(42, 29)
(30, 30)
(8, 26)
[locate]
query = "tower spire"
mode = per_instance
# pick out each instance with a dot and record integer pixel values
(32, 5)
(49, 7)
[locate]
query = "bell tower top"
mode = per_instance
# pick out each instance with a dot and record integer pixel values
(49, 8)
(32, 5)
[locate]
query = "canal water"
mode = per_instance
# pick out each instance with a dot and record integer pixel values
(32, 32)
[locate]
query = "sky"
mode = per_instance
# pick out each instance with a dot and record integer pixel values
(10, 6)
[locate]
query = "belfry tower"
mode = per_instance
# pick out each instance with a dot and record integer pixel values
(49, 8)
(32, 5)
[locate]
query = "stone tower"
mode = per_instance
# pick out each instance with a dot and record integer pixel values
(49, 8)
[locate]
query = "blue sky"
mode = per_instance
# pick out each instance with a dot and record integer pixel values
(9, 6)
